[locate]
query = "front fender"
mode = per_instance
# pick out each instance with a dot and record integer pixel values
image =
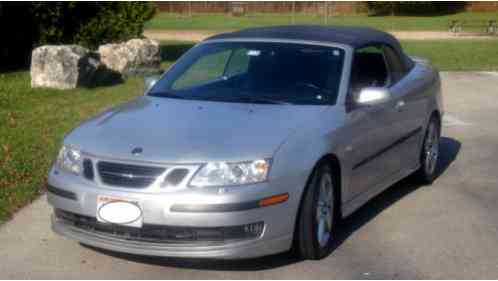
(296, 158)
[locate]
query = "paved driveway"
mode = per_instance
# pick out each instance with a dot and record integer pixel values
(447, 230)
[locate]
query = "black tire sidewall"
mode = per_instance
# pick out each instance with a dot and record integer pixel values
(308, 229)
(429, 177)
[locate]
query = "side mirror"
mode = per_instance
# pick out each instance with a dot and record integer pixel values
(372, 96)
(150, 81)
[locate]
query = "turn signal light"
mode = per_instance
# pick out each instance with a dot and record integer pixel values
(273, 200)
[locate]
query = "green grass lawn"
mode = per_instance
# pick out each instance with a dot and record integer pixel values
(34, 121)
(222, 22)
(456, 55)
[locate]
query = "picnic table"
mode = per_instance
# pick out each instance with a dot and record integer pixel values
(487, 26)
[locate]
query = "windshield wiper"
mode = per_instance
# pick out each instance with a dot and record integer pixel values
(248, 99)
(166, 95)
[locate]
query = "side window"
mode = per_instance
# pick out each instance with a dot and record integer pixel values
(238, 62)
(396, 67)
(369, 69)
(207, 68)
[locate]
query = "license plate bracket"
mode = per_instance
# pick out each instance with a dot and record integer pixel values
(120, 211)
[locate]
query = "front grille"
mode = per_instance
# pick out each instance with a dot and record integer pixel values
(175, 176)
(163, 234)
(127, 175)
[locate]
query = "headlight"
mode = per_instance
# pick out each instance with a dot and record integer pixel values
(224, 173)
(69, 160)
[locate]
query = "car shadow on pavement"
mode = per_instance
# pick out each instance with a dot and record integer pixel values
(449, 149)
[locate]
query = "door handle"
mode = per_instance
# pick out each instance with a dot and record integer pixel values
(399, 105)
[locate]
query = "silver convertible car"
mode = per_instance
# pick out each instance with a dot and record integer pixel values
(254, 142)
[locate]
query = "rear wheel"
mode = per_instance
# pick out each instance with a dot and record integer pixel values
(429, 154)
(316, 222)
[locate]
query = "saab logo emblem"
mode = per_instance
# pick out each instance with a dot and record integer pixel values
(137, 151)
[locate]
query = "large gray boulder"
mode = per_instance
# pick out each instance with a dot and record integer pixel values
(63, 66)
(136, 56)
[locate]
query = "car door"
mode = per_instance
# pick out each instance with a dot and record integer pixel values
(371, 130)
(407, 102)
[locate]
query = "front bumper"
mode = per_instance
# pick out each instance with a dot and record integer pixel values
(157, 210)
(237, 250)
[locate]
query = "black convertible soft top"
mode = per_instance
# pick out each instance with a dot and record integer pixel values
(356, 37)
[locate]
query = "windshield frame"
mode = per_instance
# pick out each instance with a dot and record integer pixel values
(346, 65)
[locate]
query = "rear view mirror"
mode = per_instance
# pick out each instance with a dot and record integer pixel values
(372, 96)
(150, 81)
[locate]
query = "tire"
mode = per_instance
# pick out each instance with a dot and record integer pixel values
(317, 216)
(429, 152)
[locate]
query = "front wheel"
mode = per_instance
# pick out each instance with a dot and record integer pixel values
(316, 222)
(429, 154)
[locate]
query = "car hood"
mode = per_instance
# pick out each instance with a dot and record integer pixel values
(188, 131)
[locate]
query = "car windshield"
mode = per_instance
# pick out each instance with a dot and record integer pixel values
(255, 72)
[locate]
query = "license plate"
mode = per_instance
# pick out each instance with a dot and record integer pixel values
(120, 211)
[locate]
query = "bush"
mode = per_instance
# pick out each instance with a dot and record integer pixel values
(414, 7)
(115, 22)
(90, 24)
(85, 23)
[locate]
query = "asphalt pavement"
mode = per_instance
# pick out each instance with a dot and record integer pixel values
(448, 230)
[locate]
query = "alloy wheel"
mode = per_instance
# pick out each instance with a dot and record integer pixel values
(324, 210)
(431, 148)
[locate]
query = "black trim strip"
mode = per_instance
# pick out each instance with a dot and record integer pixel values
(219, 208)
(62, 193)
(387, 148)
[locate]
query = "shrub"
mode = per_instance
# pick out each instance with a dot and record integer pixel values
(86, 23)
(413, 7)
(115, 22)
(90, 24)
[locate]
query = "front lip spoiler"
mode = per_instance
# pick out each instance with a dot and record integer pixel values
(236, 250)
(230, 207)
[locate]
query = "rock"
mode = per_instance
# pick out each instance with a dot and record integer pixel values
(63, 66)
(136, 56)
